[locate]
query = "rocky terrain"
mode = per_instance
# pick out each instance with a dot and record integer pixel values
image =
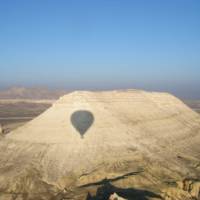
(133, 144)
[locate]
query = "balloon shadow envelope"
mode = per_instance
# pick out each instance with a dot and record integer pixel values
(82, 120)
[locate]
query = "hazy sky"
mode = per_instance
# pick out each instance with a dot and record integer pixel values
(101, 44)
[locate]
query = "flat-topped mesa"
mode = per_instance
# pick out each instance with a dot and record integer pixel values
(111, 111)
(100, 132)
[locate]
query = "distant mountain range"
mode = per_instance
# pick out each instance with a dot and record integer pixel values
(31, 93)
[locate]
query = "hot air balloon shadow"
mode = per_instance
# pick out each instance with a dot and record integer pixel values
(82, 120)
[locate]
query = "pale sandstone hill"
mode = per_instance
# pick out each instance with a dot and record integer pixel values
(138, 139)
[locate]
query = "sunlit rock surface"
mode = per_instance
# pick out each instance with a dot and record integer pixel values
(144, 141)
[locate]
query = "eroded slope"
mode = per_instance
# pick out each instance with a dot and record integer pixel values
(137, 139)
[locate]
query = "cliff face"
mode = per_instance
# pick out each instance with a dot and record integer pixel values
(132, 138)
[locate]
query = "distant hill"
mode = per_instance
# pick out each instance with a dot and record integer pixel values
(30, 93)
